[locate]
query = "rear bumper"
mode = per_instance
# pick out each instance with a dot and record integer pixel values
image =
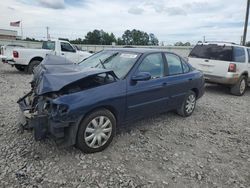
(230, 80)
(44, 126)
(7, 60)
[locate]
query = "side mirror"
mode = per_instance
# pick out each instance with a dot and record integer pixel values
(141, 76)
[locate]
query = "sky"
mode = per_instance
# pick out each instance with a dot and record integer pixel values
(171, 21)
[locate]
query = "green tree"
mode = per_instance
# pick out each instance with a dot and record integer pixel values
(77, 41)
(120, 41)
(153, 40)
(93, 37)
(99, 37)
(135, 37)
(182, 44)
(127, 37)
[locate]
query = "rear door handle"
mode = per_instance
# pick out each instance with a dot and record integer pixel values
(206, 60)
(190, 79)
(62, 53)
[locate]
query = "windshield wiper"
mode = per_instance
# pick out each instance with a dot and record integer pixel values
(106, 60)
(102, 63)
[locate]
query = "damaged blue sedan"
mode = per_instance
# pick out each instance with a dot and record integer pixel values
(83, 104)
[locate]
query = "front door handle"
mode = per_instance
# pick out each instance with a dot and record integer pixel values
(62, 53)
(164, 84)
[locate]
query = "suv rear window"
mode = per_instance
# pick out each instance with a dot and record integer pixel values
(212, 51)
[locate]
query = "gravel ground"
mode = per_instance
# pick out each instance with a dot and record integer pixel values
(209, 149)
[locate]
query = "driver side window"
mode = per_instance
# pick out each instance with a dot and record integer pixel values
(66, 47)
(153, 64)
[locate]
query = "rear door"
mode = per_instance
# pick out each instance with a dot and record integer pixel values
(211, 59)
(179, 80)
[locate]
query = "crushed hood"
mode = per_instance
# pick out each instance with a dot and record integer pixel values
(55, 72)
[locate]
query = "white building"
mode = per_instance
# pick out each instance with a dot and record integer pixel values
(8, 34)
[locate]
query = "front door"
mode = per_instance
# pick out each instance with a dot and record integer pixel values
(69, 52)
(147, 97)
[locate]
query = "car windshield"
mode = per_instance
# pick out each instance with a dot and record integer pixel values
(48, 45)
(119, 62)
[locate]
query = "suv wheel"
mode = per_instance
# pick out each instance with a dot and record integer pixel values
(188, 105)
(96, 131)
(239, 88)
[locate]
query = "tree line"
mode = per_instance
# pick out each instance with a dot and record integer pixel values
(129, 37)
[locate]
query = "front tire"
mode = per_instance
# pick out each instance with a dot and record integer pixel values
(240, 88)
(188, 105)
(96, 131)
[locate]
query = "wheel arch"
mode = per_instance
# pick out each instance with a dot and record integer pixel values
(37, 58)
(196, 91)
(245, 73)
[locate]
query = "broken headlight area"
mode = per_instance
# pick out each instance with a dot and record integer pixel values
(45, 116)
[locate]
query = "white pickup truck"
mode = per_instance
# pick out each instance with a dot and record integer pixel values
(25, 59)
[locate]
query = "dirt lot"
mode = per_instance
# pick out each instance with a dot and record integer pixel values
(209, 149)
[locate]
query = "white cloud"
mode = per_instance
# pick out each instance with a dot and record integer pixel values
(55, 4)
(170, 21)
(135, 10)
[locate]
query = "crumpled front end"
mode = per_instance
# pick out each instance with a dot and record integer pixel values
(45, 108)
(45, 117)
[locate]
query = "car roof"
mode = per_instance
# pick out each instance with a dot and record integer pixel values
(220, 43)
(137, 50)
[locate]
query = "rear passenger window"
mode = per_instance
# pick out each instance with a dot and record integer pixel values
(174, 64)
(239, 54)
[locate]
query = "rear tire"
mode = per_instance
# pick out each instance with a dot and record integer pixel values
(188, 105)
(240, 87)
(33, 64)
(20, 67)
(96, 131)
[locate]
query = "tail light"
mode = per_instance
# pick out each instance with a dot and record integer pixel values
(232, 67)
(15, 54)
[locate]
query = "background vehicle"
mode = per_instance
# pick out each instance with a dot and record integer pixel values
(28, 59)
(7, 51)
(223, 63)
(83, 104)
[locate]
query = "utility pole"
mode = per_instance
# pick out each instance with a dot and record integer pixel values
(48, 37)
(246, 23)
(204, 38)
